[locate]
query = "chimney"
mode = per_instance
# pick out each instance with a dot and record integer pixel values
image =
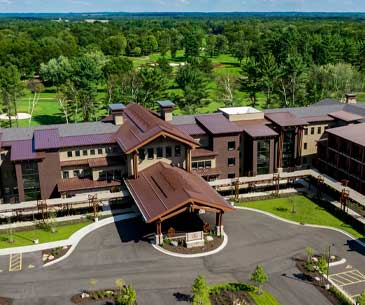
(166, 108)
(116, 110)
(351, 98)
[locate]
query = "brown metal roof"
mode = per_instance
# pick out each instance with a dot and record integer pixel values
(105, 161)
(202, 152)
(142, 126)
(318, 118)
(74, 184)
(217, 124)
(345, 116)
(23, 150)
(74, 163)
(285, 119)
(191, 129)
(354, 133)
(256, 128)
(161, 189)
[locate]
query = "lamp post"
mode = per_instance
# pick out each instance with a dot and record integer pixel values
(328, 260)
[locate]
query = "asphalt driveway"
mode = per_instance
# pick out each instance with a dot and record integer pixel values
(118, 251)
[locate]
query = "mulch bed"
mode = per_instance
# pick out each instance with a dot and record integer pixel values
(77, 299)
(310, 275)
(209, 246)
(55, 252)
(228, 297)
(5, 301)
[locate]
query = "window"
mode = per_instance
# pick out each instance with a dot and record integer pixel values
(76, 173)
(77, 153)
(141, 154)
(108, 150)
(194, 165)
(3, 155)
(100, 151)
(159, 152)
(150, 153)
(231, 145)
(69, 154)
(319, 130)
(86, 173)
(263, 157)
(231, 176)
(201, 164)
(168, 152)
(305, 131)
(208, 164)
(65, 175)
(177, 151)
(312, 130)
(305, 146)
(92, 152)
(30, 177)
(84, 152)
(231, 162)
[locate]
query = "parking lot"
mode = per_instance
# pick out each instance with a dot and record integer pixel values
(351, 280)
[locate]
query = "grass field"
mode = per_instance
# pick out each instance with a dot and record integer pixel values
(306, 211)
(265, 298)
(25, 238)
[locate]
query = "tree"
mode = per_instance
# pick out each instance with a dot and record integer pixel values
(309, 251)
(11, 88)
(192, 44)
(250, 79)
(164, 43)
(361, 299)
(115, 45)
(119, 283)
(36, 87)
(149, 44)
(211, 41)
(200, 291)
(227, 85)
(176, 42)
(56, 71)
(164, 65)
(193, 84)
(269, 71)
(259, 277)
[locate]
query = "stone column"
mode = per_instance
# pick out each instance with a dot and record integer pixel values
(219, 223)
(159, 235)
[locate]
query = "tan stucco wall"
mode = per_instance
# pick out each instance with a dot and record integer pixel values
(246, 116)
(312, 139)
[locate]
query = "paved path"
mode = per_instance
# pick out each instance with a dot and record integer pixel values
(116, 251)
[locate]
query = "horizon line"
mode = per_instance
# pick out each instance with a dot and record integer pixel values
(188, 12)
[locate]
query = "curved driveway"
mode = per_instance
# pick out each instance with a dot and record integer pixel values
(160, 279)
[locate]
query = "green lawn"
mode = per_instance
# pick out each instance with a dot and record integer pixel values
(25, 238)
(306, 211)
(265, 298)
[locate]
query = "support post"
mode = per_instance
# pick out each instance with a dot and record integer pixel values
(188, 159)
(159, 236)
(135, 165)
(219, 223)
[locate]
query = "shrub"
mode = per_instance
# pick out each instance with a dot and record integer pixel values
(232, 287)
(343, 299)
(127, 297)
(201, 291)
(259, 277)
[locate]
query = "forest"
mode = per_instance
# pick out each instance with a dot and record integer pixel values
(64, 71)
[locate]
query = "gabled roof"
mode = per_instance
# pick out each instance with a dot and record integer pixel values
(141, 126)
(23, 150)
(46, 139)
(161, 189)
(192, 129)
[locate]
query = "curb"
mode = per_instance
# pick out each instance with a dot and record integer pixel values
(340, 262)
(304, 225)
(220, 248)
(73, 240)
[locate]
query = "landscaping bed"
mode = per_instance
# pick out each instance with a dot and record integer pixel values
(181, 248)
(333, 295)
(50, 255)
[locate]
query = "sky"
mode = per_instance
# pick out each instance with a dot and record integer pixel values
(59, 6)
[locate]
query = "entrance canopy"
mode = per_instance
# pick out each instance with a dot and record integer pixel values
(162, 191)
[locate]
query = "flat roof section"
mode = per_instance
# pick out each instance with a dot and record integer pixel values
(354, 133)
(239, 110)
(345, 116)
(285, 119)
(161, 189)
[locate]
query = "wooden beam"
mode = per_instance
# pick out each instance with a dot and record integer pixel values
(174, 213)
(197, 207)
(135, 165)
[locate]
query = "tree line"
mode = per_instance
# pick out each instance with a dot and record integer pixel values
(293, 61)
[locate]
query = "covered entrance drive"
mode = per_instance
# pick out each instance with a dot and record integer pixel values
(162, 192)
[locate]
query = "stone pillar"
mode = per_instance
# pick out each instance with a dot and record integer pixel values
(219, 224)
(159, 235)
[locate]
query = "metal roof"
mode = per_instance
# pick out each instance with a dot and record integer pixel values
(345, 116)
(166, 103)
(217, 124)
(46, 139)
(285, 119)
(192, 129)
(353, 133)
(170, 188)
